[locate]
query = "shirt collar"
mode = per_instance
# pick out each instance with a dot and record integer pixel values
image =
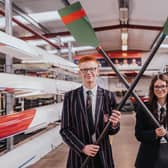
(159, 106)
(94, 90)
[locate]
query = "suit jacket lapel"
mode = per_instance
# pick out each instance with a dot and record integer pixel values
(99, 101)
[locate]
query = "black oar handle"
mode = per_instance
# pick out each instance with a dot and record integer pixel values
(130, 89)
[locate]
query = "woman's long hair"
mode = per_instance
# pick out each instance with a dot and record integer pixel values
(152, 96)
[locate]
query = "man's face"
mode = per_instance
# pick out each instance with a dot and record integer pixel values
(88, 72)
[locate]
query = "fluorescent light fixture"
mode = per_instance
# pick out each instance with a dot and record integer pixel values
(46, 16)
(74, 49)
(58, 40)
(40, 17)
(124, 36)
(67, 39)
(83, 48)
(124, 47)
(39, 42)
(124, 39)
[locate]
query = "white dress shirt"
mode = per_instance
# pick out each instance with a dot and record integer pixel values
(94, 94)
(162, 140)
(159, 107)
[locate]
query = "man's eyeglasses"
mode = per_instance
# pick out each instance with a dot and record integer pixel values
(157, 87)
(85, 70)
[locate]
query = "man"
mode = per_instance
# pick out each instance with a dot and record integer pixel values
(79, 128)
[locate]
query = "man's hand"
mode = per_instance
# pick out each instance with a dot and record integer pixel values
(90, 150)
(115, 118)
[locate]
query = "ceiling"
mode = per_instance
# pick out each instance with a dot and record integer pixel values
(143, 20)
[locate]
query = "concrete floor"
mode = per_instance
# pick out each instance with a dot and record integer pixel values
(124, 145)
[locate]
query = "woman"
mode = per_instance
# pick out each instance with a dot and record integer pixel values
(153, 144)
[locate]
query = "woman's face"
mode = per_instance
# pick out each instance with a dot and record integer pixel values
(160, 89)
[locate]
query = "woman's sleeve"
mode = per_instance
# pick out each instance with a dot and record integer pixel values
(144, 131)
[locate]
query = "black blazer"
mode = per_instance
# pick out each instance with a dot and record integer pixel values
(74, 126)
(145, 133)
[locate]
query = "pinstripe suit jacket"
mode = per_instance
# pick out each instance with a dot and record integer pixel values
(75, 131)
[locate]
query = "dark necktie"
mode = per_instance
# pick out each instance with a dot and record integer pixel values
(89, 111)
(162, 116)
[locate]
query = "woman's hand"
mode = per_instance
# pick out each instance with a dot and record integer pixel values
(160, 132)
